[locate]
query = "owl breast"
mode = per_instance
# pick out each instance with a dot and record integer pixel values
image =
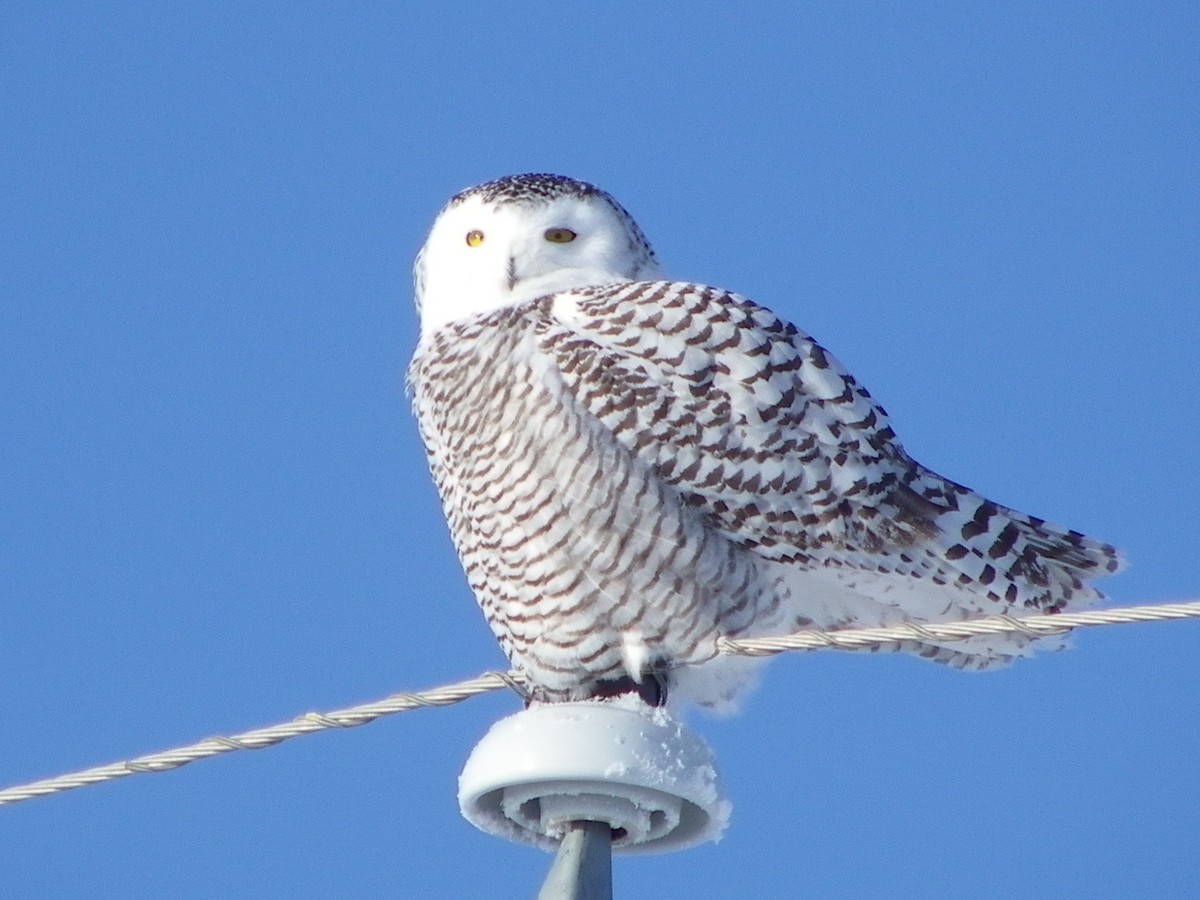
(589, 567)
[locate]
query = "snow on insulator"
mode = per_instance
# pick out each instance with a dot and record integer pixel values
(638, 769)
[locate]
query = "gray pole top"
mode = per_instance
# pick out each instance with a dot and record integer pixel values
(582, 870)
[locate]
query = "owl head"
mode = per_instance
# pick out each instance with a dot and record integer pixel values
(522, 237)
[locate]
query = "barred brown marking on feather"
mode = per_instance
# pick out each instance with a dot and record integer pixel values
(980, 521)
(1005, 541)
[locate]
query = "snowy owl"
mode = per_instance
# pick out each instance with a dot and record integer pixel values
(632, 468)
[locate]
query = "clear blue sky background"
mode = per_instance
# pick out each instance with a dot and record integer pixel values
(214, 509)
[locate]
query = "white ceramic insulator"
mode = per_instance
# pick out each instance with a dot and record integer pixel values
(638, 769)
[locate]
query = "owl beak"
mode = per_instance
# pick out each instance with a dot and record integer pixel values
(512, 272)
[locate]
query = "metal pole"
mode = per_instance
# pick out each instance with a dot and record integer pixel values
(582, 870)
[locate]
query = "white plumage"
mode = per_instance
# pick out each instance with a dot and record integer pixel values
(632, 468)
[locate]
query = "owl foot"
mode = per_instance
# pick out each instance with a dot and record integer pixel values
(652, 688)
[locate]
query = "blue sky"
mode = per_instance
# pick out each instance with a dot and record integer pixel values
(215, 512)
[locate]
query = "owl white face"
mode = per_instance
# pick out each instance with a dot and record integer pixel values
(483, 254)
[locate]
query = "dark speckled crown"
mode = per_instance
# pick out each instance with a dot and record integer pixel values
(532, 187)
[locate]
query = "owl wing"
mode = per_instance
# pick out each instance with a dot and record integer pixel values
(775, 444)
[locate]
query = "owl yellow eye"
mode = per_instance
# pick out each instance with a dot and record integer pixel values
(474, 238)
(559, 235)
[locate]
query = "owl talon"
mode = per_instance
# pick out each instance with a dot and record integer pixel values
(652, 689)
